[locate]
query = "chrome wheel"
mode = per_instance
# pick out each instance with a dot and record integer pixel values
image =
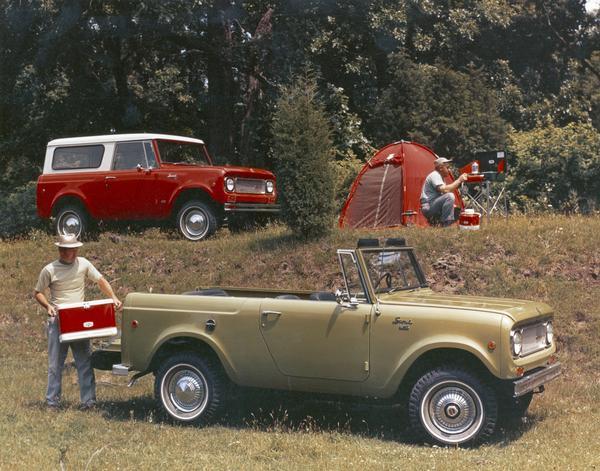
(70, 221)
(452, 412)
(184, 392)
(196, 221)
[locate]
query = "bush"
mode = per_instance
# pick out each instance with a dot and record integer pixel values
(556, 168)
(302, 150)
(18, 213)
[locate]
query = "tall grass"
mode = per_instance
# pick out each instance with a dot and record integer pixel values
(551, 258)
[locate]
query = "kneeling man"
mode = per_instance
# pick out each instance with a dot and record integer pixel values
(437, 196)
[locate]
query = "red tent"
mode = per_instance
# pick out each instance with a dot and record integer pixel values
(387, 190)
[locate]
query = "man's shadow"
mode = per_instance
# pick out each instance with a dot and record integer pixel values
(292, 412)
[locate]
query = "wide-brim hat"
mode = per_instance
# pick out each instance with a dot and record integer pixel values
(441, 161)
(68, 241)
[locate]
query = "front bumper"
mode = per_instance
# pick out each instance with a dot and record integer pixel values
(252, 207)
(530, 382)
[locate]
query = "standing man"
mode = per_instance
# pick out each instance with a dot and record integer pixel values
(437, 196)
(66, 279)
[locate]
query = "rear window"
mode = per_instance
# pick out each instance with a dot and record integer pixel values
(70, 158)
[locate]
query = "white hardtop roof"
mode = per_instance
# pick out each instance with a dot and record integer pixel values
(69, 141)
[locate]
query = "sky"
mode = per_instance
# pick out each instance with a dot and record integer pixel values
(592, 5)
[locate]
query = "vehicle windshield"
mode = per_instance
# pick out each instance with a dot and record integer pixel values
(391, 270)
(183, 153)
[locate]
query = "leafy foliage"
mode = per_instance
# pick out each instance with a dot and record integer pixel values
(302, 150)
(455, 75)
(18, 214)
(556, 167)
(452, 111)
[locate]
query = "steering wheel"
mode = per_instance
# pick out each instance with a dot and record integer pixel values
(388, 280)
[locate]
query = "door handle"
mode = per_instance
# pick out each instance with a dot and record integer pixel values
(172, 175)
(110, 178)
(269, 316)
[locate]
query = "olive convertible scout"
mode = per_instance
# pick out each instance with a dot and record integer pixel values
(457, 362)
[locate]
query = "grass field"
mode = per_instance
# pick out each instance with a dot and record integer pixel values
(552, 259)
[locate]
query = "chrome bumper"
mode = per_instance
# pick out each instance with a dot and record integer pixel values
(252, 207)
(534, 380)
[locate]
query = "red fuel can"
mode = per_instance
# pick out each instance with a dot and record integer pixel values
(469, 220)
(90, 319)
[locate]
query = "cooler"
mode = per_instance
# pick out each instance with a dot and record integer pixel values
(469, 220)
(89, 319)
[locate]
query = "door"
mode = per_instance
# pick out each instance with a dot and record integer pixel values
(129, 185)
(317, 339)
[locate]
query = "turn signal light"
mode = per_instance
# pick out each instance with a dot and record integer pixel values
(491, 345)
(520, 371)
(134, 324)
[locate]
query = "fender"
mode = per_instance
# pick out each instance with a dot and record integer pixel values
(491, 360)
(202, 188)
(173, 333)
(71, 193)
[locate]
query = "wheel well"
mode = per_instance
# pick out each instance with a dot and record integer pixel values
(437, 357)
(191, 194)
(67, 201)
(179, 344)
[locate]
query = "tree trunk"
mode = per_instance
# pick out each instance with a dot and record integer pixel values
(221, 87)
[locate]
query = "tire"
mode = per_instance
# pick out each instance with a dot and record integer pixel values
(72, 219)
(451, 406)
(196, 220)
(189, 388)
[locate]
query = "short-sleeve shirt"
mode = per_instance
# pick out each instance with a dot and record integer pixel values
(67, 281)
(430, 187)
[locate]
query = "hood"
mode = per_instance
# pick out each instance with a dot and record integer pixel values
(517, 309)
(232, 170)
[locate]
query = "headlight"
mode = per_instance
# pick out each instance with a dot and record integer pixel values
(517, 343)
(549, 333)
(229, 184)
(270, 186)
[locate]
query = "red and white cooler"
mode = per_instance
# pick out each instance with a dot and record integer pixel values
(86, 320)
(469, 220)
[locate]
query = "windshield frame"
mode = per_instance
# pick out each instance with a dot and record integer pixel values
(422, 281)
(204, 151)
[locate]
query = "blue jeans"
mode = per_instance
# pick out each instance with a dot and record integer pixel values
(57, 353)
(441, 207)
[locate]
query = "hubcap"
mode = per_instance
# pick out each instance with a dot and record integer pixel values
(69, 223)
(195, 223)
(185, 390)
(452, 411)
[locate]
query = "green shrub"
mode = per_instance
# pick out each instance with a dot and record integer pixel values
(556, 168)
(18, 214)
(302, 150)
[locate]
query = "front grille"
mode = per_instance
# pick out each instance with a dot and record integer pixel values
(249, 185)
(534, 338)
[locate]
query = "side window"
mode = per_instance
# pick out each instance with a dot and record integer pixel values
(69, 158)
(352, 277)
(129, 155)
(150, 157)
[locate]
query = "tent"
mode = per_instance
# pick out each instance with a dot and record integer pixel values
(387, 190)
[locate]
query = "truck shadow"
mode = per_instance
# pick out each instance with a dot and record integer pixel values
(286, 412)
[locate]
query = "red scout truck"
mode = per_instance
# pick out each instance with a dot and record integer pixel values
(146, 177)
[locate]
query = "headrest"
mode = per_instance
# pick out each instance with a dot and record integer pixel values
(367, 243)
(396, 242)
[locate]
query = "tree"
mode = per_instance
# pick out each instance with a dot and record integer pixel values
(302, 150)
(556, 167)
(452, 112)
